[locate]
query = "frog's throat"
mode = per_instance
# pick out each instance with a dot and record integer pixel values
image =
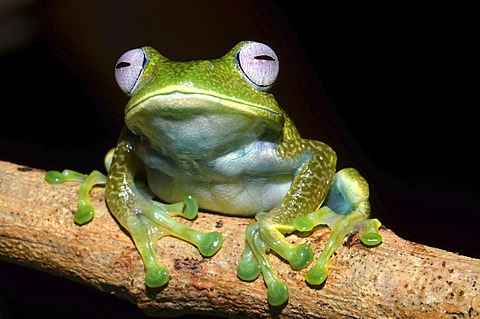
(195, 101)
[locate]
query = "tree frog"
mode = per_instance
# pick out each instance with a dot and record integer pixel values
(209, 134)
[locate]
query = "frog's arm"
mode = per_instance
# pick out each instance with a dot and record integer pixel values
(147, 220)
(346, 209)
(309, 188)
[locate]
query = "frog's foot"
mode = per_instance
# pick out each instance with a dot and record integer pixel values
(85, 211)
(261, 237)
(340, 229)
(346, 209)
(152, 221)
(255, 261)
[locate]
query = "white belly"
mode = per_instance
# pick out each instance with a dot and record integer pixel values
(239, 199)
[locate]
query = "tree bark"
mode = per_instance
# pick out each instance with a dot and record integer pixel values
(398, 279)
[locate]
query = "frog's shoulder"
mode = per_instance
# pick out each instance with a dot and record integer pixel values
(290, 131)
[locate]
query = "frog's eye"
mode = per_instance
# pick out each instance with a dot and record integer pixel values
(259, 64)
(128, 69)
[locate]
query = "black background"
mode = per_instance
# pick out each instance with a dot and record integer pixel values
(390, 88)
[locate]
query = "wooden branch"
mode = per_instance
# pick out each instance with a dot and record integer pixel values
(397, 279)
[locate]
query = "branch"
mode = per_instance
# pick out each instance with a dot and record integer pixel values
(396, 279)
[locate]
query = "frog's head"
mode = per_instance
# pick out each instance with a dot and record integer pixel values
(236, 84)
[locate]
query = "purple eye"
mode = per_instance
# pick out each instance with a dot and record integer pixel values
(259, 64)
(128, 70)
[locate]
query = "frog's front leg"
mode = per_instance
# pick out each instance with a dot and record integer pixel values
(85, 211)
(147, 220)
(308, 190)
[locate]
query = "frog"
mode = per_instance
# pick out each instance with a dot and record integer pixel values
(209, 135)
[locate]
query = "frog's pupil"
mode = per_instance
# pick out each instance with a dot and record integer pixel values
(264, 57)
(122, 65)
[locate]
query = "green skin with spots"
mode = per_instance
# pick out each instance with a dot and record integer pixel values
(206, 137)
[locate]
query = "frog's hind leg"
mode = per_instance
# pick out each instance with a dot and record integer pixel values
(85, 211)
(345, 209)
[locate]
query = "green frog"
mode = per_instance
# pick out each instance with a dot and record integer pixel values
(209, 134)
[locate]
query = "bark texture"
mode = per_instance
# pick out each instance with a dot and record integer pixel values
(398, 279)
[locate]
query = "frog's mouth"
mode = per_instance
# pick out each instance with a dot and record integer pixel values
(178, 103)
(197, 124)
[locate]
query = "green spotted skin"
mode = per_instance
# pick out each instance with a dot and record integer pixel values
(208, 134)
(306, 195)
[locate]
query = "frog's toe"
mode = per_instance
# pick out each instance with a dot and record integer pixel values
(371, 237)
(209, 243)
(188, 208)
(277, 293)
(191, 207)
(248, 269)
(301, 256)
(84, 214)
(317, 275)
(303, 224)
(56, 177)
(156, 276)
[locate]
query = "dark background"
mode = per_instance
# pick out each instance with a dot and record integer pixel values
(389, 87)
